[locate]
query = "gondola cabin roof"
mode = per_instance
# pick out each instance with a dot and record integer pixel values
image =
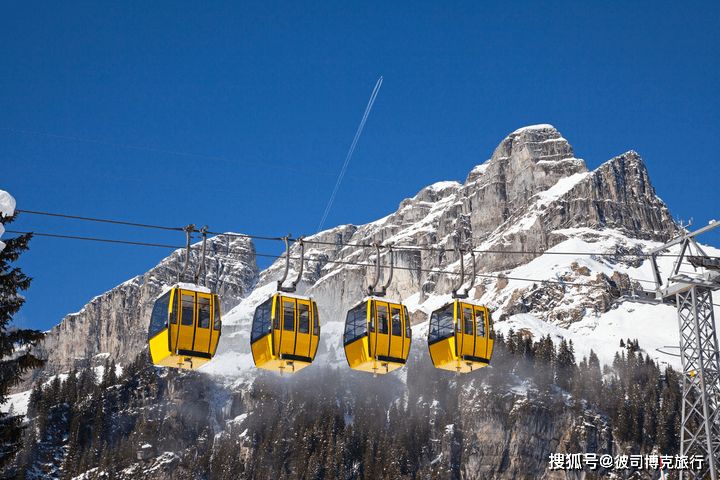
(378, 299)
(184, 286)
(292, 295)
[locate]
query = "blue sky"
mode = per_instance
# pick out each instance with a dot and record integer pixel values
(285, 85)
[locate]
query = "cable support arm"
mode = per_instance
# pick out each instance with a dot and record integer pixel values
(371, 287)
(188, 231)
(280, 282)
(464, 294)
(201, 267)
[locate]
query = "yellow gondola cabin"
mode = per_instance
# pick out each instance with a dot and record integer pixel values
(377, 336)
(285, 333)
(460, 337)
(184, 327)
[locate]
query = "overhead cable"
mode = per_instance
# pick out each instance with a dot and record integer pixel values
(254, 237)
(350, 245)
(99, 220)
(339, 262)
(125, 242)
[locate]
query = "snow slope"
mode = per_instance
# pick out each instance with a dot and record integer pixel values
(655, 326)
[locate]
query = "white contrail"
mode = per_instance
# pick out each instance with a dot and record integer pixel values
(352, 148)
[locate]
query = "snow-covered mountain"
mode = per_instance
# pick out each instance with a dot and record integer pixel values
(557, 246)
(530, 201)
(575, 227)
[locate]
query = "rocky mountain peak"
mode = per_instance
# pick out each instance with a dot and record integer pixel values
(537, 142)
(528, 197)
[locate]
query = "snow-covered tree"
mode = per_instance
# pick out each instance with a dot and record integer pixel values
(15, 355)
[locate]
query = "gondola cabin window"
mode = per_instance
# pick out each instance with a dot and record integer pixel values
(441, 324)
(262, 322)
(203, 312)
(396, 321)
(289, 315)
(356, 323)
(408, 334)
(467, 312)
(303, 318)
(188, 309)
(159, 317)
(316, 323)
(216, 325)
(480, 322)
(382, 319)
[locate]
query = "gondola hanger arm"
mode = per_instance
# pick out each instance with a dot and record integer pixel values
(201, 267)
(188, 230)
(371, 287)
(461, 295)
(280, 282)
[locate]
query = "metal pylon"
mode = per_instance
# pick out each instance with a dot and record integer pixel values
(692, 295)
(700, 431)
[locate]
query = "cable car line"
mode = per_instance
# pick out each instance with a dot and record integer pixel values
(352, 245)
(178, 229)
(100, 220)
(124, 242)
(206, 157)
(339, 262)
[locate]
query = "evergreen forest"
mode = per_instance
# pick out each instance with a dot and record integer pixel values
(325, 422)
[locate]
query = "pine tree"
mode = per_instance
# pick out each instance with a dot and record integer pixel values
(12, 281)
(594, 381)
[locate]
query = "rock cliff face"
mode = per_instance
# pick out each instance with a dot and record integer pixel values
(523, 199)
(531, 195)
(116, 322)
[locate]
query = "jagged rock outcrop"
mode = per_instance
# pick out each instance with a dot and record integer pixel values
(520, 200)
(529, 196)
(617, 195)
(525, 198)
(116, 322)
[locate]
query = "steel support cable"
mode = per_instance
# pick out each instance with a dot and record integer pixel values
(100, 220)
(338, 262)
(206, 157)
(180, 229)
(351, 245)
(125, 242)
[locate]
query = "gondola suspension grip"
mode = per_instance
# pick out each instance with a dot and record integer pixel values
(287, 261)
(371, 288)
(457, 287)
(302, 260)
(385, 287)
(188, 230)
(201, 267)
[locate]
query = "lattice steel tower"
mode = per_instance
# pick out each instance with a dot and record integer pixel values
(692, 295)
